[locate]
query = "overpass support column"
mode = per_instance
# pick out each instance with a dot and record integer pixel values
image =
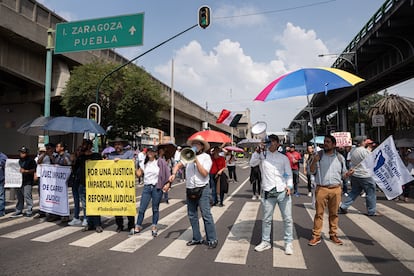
(342, 119)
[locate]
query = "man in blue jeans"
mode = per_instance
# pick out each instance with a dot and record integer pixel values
(277, 184)
(197, 177)
(361, 180)
(3, 159)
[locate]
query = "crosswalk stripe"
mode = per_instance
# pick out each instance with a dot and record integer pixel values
(135, 242)
(95, 238)
(403, 220)
(394, 245)
(348, 256)
(52, 236)
(236, 246)
(409, 206)
(28, 230)
(280, 259)
(14, 221)
(178, 248)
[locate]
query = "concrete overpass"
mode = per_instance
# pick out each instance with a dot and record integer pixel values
(382, 53)
(23, 38)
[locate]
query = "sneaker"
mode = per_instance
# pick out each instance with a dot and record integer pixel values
(85, 222)
(346, 194)
(336, 240)
(342, 211)
(39, 215)
(259, 197)
(297, 194)
(193, 242)
(154, 232)
(254, 197)
(309, 194)
(264, 245)
(16, 215)
(131, 232)
(75, 221)
(119, 229)
(364, 195)
(314, 241)
(99, 229)
(28, 215)
(212, 244)
(289, 249)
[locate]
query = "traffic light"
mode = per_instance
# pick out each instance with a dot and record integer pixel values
(204, 17)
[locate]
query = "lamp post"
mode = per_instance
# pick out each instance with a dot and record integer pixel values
(354, 64)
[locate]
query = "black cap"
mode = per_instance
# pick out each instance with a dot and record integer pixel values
(152, 148)
(292, 145)
(24, 149)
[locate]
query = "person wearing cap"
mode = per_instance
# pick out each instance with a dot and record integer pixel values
(156, 181)
(277, 187)
(120, 152)
(3, 159)
(294, 158)
(198, 192)
(361, 180)
(24, 193)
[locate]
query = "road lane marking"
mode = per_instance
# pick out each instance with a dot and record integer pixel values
(237, 244)
(28, 230)
(280, 259)
(52, 236)
(409, 206)
(396, 216)
(348, 256)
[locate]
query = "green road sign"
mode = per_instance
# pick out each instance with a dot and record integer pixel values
(100, 33)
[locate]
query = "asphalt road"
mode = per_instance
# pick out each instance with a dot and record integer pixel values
(380, 245)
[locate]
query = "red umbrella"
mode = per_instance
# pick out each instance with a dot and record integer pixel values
(212, 136)
(232, 148)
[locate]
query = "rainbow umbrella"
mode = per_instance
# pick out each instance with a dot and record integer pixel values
(307, 81)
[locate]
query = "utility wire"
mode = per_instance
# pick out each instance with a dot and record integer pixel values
(275, 11)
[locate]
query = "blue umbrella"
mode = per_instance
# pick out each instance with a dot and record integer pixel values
(318, 139)
(74, 125)
(35, 127)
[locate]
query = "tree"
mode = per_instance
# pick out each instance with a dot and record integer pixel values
(129, 98)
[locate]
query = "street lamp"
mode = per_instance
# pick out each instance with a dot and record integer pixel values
(354, 64)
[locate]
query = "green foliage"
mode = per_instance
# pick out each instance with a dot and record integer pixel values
(129, 98)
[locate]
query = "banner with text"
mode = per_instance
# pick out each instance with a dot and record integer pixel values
(110, 188)
(53, 189)
(343, 139)
(12, 174)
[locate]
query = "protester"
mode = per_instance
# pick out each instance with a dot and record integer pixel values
(3, 159)
(198, 194)
(231, 166)
(294, 158)
(75, 193)
(217, 168)
(120, 153)
(93, 222)
(361, 180)
(307, 158)
(329, 168)
(161, 154)
(276, 184)
(255, 175)
(156, 181)
(24, 193)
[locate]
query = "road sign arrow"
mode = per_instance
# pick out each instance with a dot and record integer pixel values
(132, 30)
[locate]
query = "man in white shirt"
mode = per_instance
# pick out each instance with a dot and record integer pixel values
(277, 184)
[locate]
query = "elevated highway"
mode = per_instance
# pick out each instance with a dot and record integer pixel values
(23, 37)
(382, 53)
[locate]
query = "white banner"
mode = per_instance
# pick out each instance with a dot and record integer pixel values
(53, 189)
(12, 174)
(387, 168)
(343, 139)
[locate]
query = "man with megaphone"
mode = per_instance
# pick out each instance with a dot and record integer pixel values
(198, 193)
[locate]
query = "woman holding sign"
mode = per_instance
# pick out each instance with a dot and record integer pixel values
(156, 174)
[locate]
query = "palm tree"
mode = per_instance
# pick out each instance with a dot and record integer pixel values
(398, 113)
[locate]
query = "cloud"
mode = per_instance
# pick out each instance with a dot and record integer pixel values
(226, 77)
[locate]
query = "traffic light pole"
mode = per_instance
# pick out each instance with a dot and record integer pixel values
(129, 62)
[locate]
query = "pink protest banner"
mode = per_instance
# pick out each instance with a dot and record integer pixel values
(343, 139)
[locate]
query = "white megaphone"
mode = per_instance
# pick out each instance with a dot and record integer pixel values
(259, 131)
(187, 155)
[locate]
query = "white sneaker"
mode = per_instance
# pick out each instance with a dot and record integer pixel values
(85, 222)
(345, 194)
(259, 197)
(309, 194)
(254, 197)
(264, 245)
(75, 221)
(289, 249)
(363, 194)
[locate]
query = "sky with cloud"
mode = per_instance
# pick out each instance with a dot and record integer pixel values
(247, 45)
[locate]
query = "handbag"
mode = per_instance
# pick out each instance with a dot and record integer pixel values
(195, 193)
